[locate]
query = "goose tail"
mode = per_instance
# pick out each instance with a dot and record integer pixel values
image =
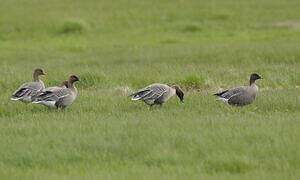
(136, 97)
(15, 98)
(221, 93)
(223, 100)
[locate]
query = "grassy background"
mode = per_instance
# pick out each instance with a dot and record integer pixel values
(117, 47)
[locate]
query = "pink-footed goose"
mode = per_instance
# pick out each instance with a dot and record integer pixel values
(242, 95)
(157, 94)
(59, 98)
(28, 91)
(63, 84)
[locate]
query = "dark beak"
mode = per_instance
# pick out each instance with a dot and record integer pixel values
(260, 77)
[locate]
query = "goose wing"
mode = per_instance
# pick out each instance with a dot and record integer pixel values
(30, 89)
(52, 88)
(153, 91)
(245, 96)
(237, 99)
(55, 95)
(232, 92)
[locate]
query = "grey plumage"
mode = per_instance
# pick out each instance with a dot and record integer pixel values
(239, 96)
(57, 98)
(157, 94)
(63, 84)
(53, 88)
(28, 91)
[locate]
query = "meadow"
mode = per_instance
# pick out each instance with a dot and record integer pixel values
(118, 47)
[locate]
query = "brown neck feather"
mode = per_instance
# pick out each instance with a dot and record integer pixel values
(36, 77)
(252, 81)
(71, 84)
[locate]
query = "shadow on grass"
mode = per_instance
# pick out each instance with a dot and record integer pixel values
(233, 165)
(73, 26)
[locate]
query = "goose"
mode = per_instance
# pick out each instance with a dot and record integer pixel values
(59, 98)
(240, 96)
(28, 91)
(157, 94)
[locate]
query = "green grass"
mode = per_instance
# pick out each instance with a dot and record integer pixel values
(117, 47)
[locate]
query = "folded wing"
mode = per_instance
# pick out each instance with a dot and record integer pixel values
(153, 91)
(53, 96)
(28, 90)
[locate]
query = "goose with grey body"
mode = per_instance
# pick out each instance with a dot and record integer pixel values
(240, 96)
(157, 94)
(63, 84)
(28, 91)
(59, 98)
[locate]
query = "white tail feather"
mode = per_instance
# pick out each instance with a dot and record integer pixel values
(223, 100)
(135, 98)
(50, 104)
(15, 99)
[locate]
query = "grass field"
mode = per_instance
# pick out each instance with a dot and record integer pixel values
(117, 47)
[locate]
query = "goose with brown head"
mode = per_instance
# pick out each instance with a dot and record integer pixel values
(37, 72)
(61, 97)
(254, 77)
(157, 94)
(240, 96)
(179, 92)
(28, 91)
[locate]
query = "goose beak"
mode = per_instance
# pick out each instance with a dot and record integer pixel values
(261, 77)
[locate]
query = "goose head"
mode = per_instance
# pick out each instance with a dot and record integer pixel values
(254, 77)
(38, 72)
(73, 78)
(179, 92)
(64, 84)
